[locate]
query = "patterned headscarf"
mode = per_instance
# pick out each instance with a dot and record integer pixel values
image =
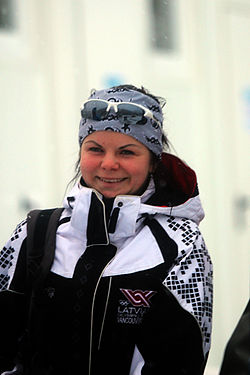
(149, 134)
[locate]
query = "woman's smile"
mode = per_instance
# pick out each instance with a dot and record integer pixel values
(111, 180)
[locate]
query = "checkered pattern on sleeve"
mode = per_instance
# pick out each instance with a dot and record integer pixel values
(9, 255)
(190, 280)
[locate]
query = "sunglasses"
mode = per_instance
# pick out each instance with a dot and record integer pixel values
(129, 113)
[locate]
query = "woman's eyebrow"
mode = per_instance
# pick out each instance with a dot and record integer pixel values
(91, 141)
(128, 145)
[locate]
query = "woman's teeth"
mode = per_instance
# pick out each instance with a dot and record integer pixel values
(111, 180)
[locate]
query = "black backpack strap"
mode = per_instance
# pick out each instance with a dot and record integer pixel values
(50, 246)
(41, 231)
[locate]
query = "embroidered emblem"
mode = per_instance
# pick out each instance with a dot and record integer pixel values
(138, 297)
(139, 300)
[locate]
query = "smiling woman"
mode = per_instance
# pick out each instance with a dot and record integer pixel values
(122, 272)
(115, 164)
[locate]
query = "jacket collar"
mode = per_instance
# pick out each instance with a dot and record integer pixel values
(88, 217)
(175, 195)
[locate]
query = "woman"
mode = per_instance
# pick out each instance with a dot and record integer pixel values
(129, 290)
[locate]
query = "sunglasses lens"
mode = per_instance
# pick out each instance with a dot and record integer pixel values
(95, 110)
(127, 113)
(131, 114)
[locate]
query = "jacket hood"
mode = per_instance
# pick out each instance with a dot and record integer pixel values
(173, 192)
(176, 189)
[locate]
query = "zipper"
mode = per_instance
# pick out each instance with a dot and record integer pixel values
(92, 314)
(105, 311)
(94, 296)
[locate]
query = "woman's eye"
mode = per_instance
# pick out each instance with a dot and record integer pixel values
(95, 149)
(127, 152)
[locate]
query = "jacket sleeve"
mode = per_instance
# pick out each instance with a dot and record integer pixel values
(12, 295)
(180, 331)
(190, 279)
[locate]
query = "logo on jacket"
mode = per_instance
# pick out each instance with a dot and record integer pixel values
(138, 297)
(132, 309)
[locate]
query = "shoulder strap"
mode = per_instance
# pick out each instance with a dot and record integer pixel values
(41, 231)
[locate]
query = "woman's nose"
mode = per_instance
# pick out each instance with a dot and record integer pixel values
(109, 162)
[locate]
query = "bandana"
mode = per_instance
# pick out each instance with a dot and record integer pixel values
(149, 134)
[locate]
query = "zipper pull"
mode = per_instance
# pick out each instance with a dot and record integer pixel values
(113, 220)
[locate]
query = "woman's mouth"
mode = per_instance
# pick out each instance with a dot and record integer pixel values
(111, 180)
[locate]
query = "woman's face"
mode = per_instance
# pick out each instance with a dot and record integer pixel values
(114, 163)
